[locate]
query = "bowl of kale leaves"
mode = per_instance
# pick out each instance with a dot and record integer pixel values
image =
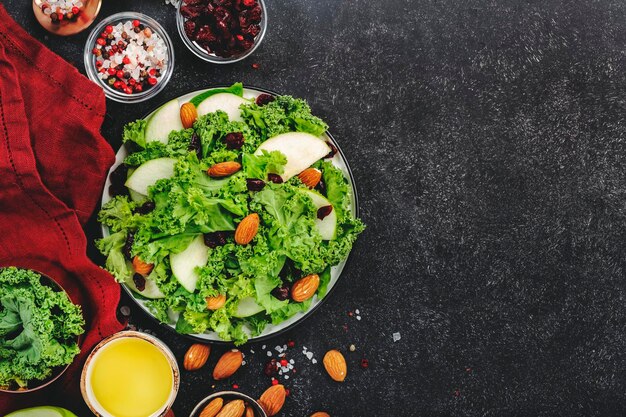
(39, 330)
(177, 198)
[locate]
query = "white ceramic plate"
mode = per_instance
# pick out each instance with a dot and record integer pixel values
(271, 330)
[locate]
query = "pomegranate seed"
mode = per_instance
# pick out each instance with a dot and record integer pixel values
(287, 392)
(255, 66)
(108, 29)
(239, 37)
(136, 23)
(270, 368)
(61, 16)
(152, 81)
(235, 386)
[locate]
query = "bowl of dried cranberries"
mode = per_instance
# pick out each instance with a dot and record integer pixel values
(222, 31)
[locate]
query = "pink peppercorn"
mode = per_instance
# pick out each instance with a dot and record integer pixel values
(101, 41)
(108, 29)
(75, 10)
(112, 71)
(274, 382)
(283, 362)
(136, 23)
(126, 60)
(152, 81)
(119, 74)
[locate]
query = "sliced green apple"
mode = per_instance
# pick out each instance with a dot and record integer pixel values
(164, 120)
(328, 225)
(137, 197)
(184, 263)
(43, 411)
(227, 102)
(148, 173)
(247, 307)
(301, 149)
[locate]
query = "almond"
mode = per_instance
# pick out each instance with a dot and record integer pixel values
(320, 414)
(247, 229)
(305, 287)
(310, 177)
(142, 267)
(273, 399)
(234, 408)
(213, 303)
(335, 365)
(224, 169)
(188, 115)
(169, 413)
(228, 364)
(196, 356)
(249, 412)
(212, 408)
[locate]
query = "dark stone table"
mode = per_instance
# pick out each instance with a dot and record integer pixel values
(488, 142)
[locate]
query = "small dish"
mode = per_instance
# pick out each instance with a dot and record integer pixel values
(135, 61)
(77, 16)
(229, 396)
(202, 53)
(117, 357)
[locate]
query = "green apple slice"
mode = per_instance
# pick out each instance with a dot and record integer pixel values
(301, 149)
(164, 120)
(151, 289)
(328, 225)
(43, 411)
(227, 102)
(149, 173)
(136, 197)
(247, 307)
(184, 263)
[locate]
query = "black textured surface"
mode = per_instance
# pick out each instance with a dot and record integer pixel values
(487, 141)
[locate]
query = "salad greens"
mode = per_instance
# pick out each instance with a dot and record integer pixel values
(179, 208)
(39, 328)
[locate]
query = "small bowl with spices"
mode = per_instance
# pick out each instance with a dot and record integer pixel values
(222, 31)
(66, 17)
(131, 56)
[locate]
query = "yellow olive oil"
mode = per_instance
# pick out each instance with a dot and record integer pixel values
(131, 377)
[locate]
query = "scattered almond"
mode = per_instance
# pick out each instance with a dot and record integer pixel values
(227, 364)
(224, 169)
(188, 115)
(142, 267)
(249, 412)
(196, 356)
(272, 399)
(335, 365)
(320, 414)
(304, 288)
(247, 229)
(212, 408)
(235, 408)
(213, 303)
(310, 177)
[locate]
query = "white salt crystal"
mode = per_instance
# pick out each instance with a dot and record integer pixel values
(396, 336)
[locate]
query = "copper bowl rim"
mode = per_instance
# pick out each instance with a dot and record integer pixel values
(59, 370)
(258, 410)
(171, 359)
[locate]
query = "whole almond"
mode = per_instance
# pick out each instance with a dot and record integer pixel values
(272, 399)
(249, 412)
(310, 177)
(227, 364)
(235, 408)
(335, 365)
(142, 267)
(247, 229)
(212, 408)
(224, 169)
(196, 356)
(213, 303)
(320, 414)
(188, 115)
(305, 288)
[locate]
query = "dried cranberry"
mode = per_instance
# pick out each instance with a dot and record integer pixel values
(115, 190)
(321, 187)
(215, 239)
(190, 12)
(255, 14)
(322, 212)
(249, 3)
(264, 99)
(145, 208)
(140, 282)
(270, 368)
(246, 44)
(205, 35)
(251, 30)
(282, 293)
(234, 140)
(195, 144)
(118, 176)
(333, 150)
(255, 184)
(128, 245)
(190, 28)
(365, 363)
(275, 178)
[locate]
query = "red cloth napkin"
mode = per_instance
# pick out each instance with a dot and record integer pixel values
(53, 162)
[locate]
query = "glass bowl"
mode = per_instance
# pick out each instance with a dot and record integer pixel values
(228, 396)
(90, 58)
(211, 57)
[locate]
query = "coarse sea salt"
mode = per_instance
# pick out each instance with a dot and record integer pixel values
(396, 336)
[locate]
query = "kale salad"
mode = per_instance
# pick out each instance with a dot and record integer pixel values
(228, 213)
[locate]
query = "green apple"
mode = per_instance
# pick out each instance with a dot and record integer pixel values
(227, 102)
(301, 150)
(148, 173)
(184, 263)
(164, 120)
(43, 411)
(247, 307)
